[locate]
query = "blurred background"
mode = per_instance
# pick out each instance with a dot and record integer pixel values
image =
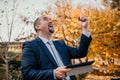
(16, 26)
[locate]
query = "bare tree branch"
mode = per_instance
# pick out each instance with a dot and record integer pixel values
(13, 17)
(1, 39)
(7, 20)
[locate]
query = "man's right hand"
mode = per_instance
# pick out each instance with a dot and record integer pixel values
(60, 72)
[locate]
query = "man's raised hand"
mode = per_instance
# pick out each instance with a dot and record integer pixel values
(84, 22)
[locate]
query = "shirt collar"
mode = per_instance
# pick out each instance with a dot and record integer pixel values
(44, 39)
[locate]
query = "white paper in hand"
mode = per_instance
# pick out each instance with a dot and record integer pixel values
(80, 68)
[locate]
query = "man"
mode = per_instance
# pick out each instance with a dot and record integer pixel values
(43, 59)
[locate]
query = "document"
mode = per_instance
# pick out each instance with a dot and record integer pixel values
(80, 68)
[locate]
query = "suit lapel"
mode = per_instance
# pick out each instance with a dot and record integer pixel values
(45, 49)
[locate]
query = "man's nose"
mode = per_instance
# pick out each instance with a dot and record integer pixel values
(50, 21)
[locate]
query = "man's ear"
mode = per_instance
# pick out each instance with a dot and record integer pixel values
(37, 27)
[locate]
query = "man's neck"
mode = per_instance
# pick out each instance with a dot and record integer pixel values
(44, 36)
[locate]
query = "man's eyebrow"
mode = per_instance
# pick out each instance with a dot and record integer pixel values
(45, 18)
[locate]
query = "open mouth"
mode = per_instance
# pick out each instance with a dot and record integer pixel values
(50, 27)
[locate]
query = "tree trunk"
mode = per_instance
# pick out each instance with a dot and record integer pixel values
(7, 64)
(7, 71)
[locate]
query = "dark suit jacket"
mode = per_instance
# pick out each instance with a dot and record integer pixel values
(37, 62)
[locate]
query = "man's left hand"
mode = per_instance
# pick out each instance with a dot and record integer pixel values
(84, 22)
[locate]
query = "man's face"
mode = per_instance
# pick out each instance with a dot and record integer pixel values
(46, 24)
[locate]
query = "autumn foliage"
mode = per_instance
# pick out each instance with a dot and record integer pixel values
(104, 27)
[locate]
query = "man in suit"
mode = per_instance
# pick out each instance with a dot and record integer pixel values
(44, 59)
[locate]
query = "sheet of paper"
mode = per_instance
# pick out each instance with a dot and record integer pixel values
(80, 70)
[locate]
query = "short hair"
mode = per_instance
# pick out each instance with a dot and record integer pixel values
(36, 23)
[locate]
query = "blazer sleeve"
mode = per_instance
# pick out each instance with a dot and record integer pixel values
(82, 50)
(29, 67)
